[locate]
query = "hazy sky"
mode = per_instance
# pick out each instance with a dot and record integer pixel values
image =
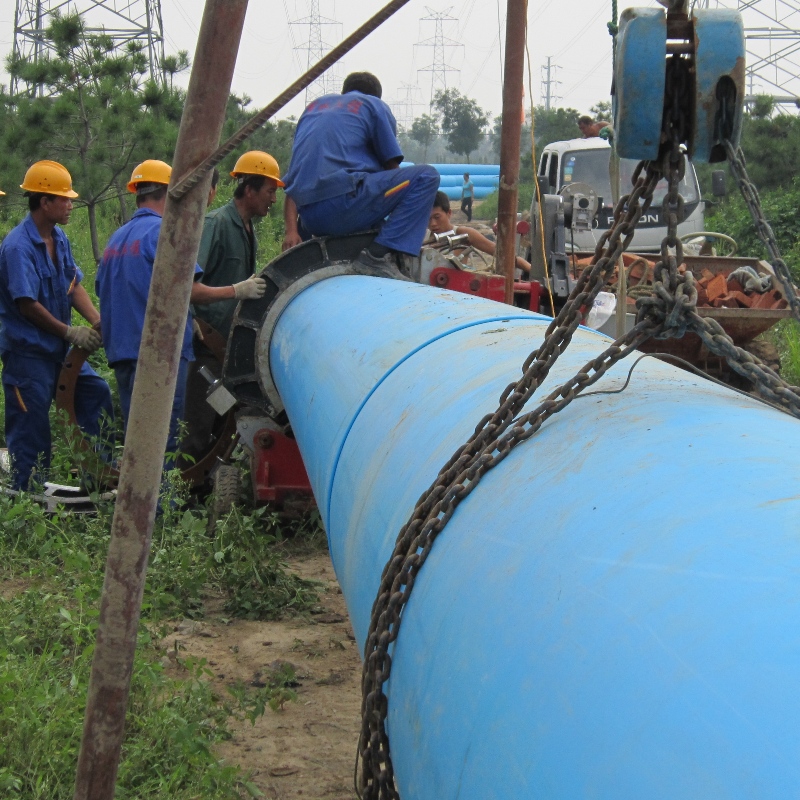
(572, 33)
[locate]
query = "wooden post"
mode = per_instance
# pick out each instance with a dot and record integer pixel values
(511, 130)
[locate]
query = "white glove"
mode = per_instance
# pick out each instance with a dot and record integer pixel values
(85, 338)
(251, 289)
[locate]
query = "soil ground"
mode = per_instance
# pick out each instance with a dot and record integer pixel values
(308, 748)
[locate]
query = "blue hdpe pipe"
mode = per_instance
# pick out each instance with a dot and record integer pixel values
(613, 612)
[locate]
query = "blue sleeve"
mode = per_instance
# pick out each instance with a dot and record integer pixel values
(198, 272)
(384, 139)
(19, 273)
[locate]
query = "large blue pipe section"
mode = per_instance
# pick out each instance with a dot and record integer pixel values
(613, 612)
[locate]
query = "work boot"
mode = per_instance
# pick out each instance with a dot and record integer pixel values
(383, 267)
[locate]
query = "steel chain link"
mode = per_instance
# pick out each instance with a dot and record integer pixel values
(670, 311)
(763, 228)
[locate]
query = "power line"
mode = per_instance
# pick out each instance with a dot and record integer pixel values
(409, 98)
(123, 21)
(440, 44)
(316, 47)
(549, 84)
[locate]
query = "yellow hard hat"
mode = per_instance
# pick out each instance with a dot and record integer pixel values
(2, 193)
(257, 162)
(150, 171)
(48, 177)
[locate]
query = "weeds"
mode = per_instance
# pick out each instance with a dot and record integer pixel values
(46, 645)
(249, 570)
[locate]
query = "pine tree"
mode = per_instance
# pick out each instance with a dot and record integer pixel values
(93, 108)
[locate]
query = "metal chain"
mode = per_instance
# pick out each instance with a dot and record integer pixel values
(763, 228)
(671, 311)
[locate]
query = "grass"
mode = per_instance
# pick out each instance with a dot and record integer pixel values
(51, 573)
(488, 206)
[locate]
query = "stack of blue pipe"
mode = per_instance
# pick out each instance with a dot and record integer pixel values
(485, 178)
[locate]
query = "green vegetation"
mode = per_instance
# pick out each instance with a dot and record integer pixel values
(51, 566)
(51, 570)
(780, 208)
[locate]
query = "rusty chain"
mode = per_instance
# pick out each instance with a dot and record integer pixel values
(763, 228)
(669, 312)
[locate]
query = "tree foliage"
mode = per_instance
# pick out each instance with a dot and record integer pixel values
(462, 120)
(555, 125)
(424, 130)
(92, 107)
(273, 137)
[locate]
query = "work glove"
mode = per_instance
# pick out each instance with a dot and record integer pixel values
(251, 289)
(85, 338)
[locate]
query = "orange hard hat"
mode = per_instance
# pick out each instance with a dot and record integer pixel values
(257, 162)
(150, 171)
(48, 177)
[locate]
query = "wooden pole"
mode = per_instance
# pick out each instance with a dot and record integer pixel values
(148, 424)
(511, 130)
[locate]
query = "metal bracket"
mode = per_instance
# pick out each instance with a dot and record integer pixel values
(246, 373)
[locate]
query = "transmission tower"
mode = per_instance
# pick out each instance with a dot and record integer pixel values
(403, 107)
(549, 84)
(440, 44)
(122, 20)
(315, 48)
(772, 39)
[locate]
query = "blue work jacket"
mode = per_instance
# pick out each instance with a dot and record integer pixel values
(123, 283)
(27, 271)
(339, 139)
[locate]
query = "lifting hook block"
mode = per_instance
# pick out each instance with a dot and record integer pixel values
(713, 41)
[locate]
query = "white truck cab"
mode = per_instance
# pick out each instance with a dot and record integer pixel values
(587, 161)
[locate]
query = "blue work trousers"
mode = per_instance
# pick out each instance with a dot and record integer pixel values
(405, 196)
(29, 387)
(126, 374)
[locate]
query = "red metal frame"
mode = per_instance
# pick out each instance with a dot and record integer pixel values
(277, 468)
(490, 286)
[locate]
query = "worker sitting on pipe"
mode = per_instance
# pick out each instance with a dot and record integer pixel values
(345, 177)
(123, 283)
(440, 222)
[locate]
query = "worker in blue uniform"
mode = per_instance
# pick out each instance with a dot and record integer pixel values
(40, 284)
(123, 284)
(345, 177)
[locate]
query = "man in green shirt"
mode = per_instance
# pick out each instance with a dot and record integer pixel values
(227, 249)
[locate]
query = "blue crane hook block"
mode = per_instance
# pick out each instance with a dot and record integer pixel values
(719, 83)
(716, 99)
(639, 76)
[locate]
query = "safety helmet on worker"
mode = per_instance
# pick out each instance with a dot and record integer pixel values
(48, 177)
(2, 193)
(150, 171)
(257, 162)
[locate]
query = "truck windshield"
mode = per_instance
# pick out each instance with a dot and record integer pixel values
(591, 166)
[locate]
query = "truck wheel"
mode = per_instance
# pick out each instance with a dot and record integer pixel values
(226, 491)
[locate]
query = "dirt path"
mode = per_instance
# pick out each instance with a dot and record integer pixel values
(308, 749)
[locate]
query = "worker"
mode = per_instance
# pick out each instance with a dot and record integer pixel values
(227, 255)
(467, 196)
(40, 284)
(228, 244)
(591, 129)
(440, 222)
(345, 177)
(123, 284)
